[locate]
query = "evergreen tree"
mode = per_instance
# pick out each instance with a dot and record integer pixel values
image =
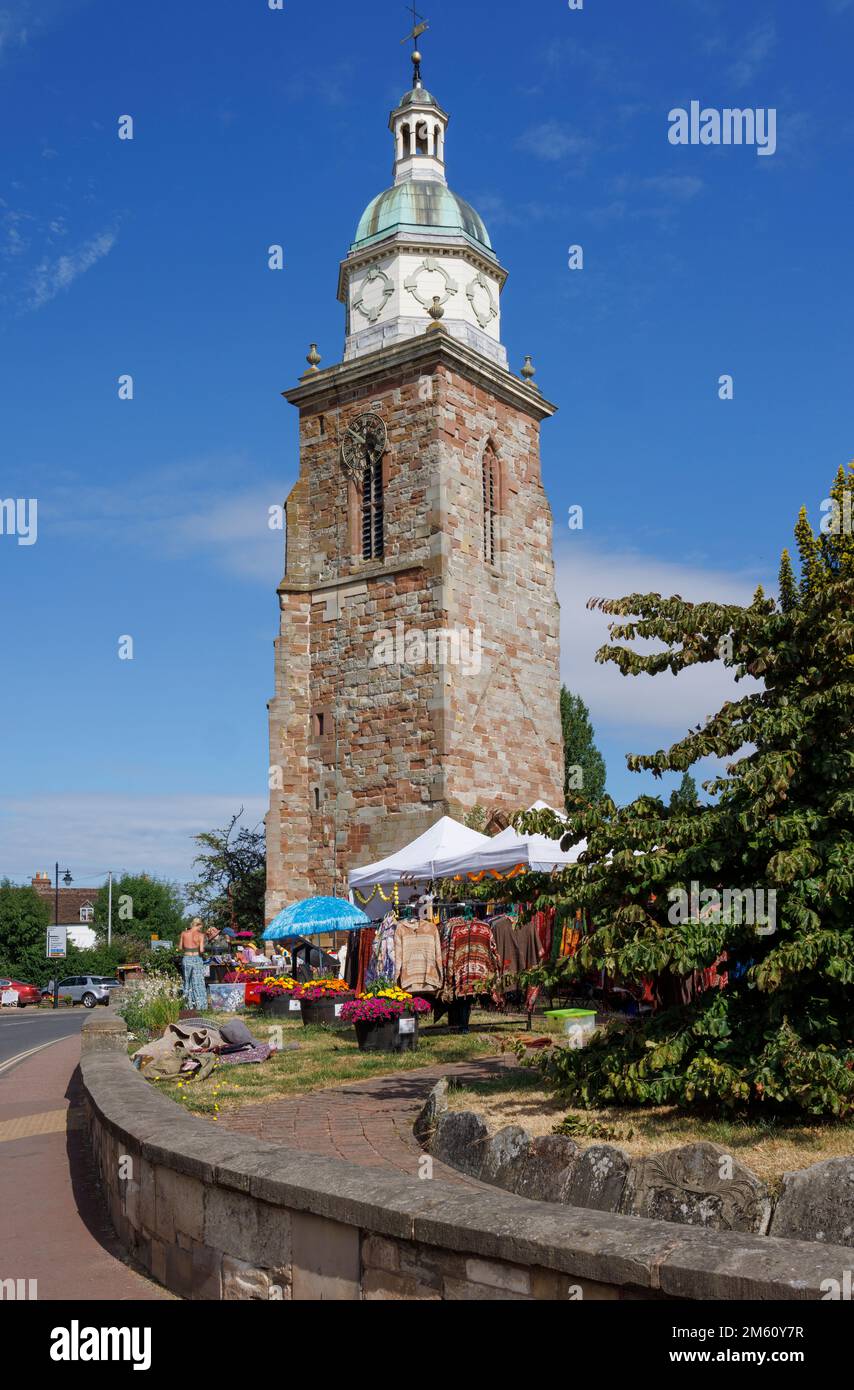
(686, 794)
(782, 1031)
(583, 764)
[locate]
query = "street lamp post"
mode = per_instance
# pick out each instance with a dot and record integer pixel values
(67, 879)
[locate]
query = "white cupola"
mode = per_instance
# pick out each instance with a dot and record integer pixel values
(417, 243)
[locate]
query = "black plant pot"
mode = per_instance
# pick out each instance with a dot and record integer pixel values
(385, 1035)
(278, 1006)
(323, 1011)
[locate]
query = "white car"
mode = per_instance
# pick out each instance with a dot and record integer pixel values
(87, 990)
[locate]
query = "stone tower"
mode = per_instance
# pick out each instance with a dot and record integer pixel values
(417, 664)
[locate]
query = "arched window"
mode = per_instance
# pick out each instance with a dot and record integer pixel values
(490, 505)
(372, 511)
(87, 913)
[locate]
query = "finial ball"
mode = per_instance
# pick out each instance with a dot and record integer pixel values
(416, 57)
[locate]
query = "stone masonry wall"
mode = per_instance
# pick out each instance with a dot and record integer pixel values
(408, 741)
(503, 740)
(218, 1216)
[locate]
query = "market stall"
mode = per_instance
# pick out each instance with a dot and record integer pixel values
(415, 864)
(449, 953)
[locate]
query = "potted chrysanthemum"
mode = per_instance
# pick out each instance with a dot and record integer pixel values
(276, 996)
(385, 1018)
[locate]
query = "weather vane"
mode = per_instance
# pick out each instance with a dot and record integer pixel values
(418, 28)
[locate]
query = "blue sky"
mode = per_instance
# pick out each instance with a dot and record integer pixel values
(254, 126)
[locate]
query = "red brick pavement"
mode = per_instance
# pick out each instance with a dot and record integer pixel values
(367, 1122)
(54, 1228)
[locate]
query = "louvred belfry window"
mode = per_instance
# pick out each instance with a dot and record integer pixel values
(372, 511)
(490, 505)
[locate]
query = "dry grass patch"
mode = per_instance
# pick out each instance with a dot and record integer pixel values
(769, 1148)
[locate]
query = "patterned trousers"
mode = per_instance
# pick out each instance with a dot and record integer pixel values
(193, 971)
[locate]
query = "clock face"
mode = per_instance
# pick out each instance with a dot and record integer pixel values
(364, 444)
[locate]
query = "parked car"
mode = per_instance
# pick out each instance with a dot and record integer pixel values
(27, 994)
(87, 990)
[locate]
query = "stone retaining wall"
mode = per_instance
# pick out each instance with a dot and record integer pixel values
(699, 1184)
(214, 1215)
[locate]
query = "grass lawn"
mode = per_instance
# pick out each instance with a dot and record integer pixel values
(326, 1057)
(768, 1147)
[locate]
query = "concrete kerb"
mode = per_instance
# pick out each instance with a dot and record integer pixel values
(628, 1254)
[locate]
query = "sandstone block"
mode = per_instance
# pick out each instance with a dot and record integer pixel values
(818, 1203)
(505, 1157)
(698, 1185)
(549, 1164)
(598, 1179)
(460, 1140)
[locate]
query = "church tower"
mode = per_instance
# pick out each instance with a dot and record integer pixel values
(417, 664)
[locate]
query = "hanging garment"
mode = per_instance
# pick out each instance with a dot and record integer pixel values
(517, 949)
(544, 921)
(382, 964)
(472, 959)
(366, 946)
(418, 957)
(543, 924)
(446, 933)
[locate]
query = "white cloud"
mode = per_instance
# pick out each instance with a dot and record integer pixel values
(96, 831)
(23, 21)
(669, 704)
(754, 50)
(680, 188)
(51, 277)
(13, 31)
(236, 529)
(554, 142)
(187, 509)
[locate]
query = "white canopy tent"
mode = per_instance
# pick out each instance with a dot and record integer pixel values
(510, 850)
(418, 860)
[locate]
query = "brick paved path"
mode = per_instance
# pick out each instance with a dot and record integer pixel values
(365, 1122)
(52, 1224)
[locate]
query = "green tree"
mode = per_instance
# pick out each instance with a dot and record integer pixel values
(142, 907)
(583, 764)
(781, 1034)
(475, 819)
(24, 918)
(686, 794)
(231, 877)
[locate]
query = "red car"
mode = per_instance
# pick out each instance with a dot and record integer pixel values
(27, 994)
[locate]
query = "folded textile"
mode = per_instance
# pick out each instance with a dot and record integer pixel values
(168, 1066)
(177, 1037)
(261, 1053)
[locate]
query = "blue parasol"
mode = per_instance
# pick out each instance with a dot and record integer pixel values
(313, 916)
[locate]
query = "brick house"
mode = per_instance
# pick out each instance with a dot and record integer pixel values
(76, 908)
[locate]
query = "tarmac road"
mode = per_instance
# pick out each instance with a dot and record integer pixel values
(23, 1030)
